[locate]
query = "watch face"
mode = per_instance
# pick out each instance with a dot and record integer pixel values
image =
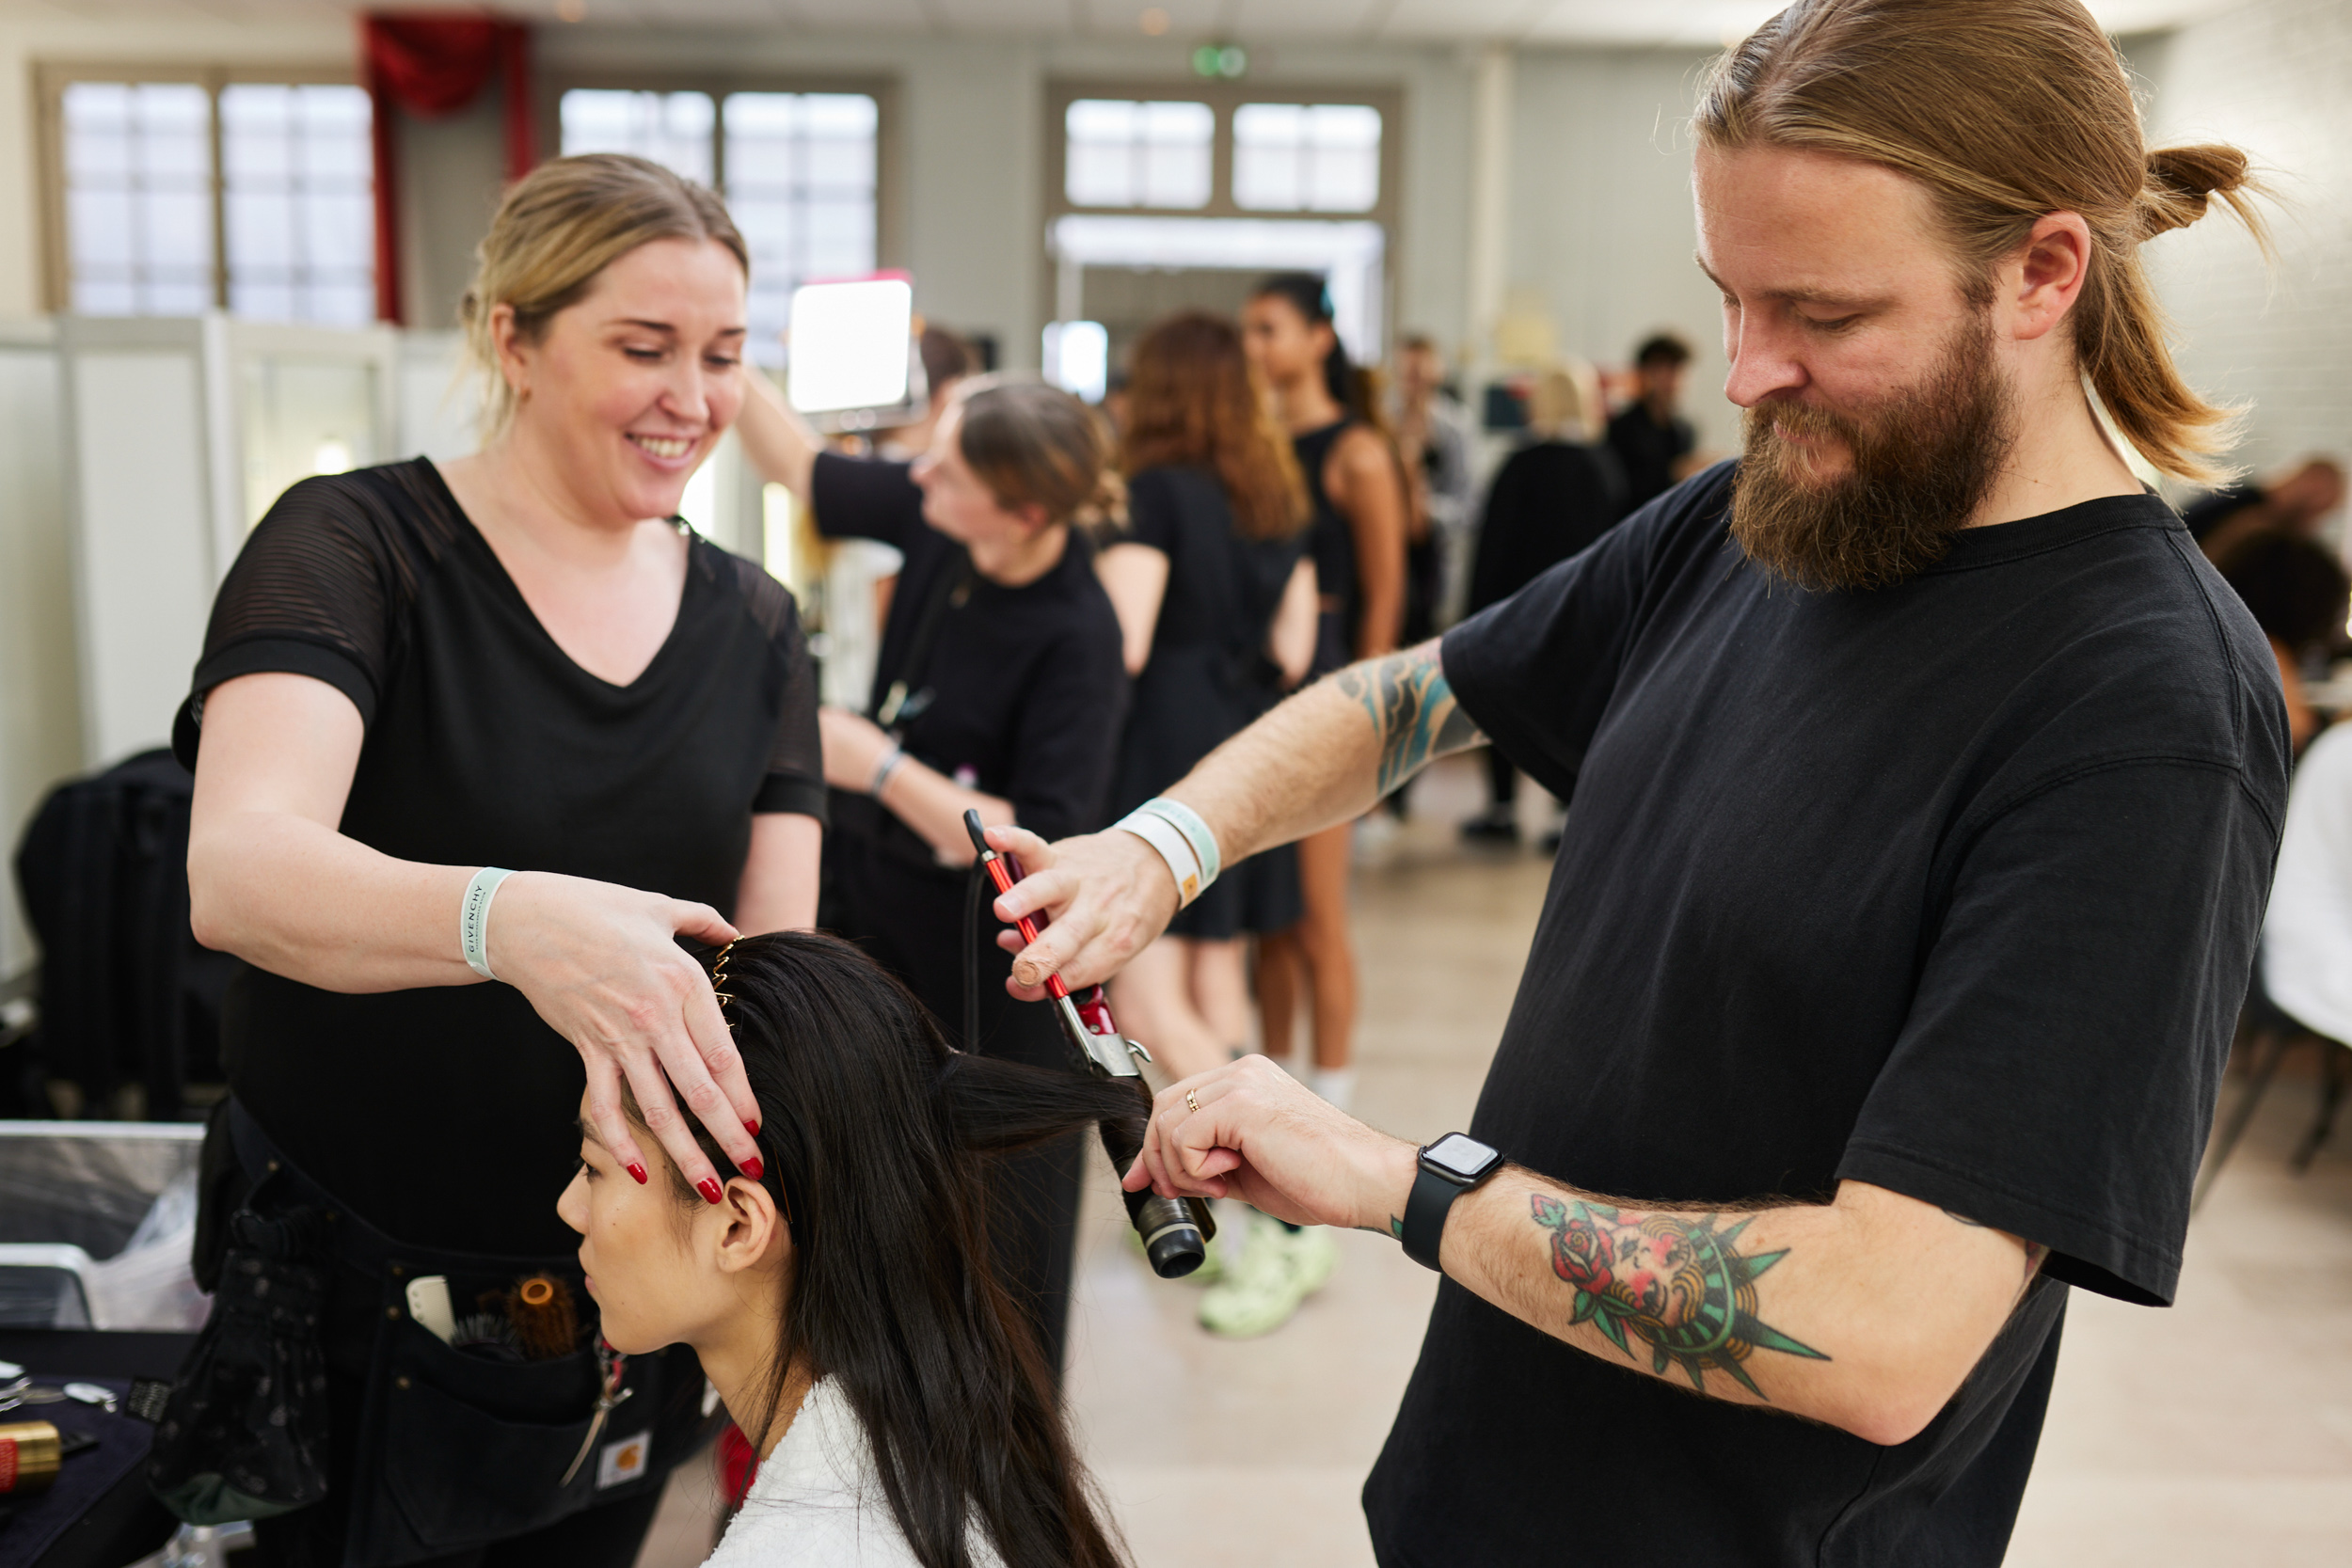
(1466, 1157)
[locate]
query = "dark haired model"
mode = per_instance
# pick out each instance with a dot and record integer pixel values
(842, 1299)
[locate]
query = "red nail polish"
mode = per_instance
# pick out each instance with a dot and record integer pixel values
(708, 1187)
(639, 1172)
(753, 1128)
(752, 1169)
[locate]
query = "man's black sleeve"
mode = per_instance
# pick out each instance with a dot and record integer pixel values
(2056, 1075)
(1535, 672)
(865, 497)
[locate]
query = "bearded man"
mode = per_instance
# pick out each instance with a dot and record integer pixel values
(1924, 782)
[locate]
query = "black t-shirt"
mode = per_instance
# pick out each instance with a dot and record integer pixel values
(446, 1115)
(1208, 675)
(1549, 501)
(1020, 692)
(1648, 451)
(1950, 888)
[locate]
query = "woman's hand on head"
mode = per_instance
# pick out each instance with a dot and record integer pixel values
(602, 966)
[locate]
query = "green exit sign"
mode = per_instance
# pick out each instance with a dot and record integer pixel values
(1228, 60)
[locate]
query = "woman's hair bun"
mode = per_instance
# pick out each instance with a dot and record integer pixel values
(2183, 180)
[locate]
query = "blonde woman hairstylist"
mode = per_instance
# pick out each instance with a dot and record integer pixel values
(418, 676)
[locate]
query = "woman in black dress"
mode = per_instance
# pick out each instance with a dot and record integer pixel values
(1549, 499)
(1216, 609)
(1356, 493)
(998, 690)
(416, 676)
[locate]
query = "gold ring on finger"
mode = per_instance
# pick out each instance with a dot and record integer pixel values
(1191, 1102)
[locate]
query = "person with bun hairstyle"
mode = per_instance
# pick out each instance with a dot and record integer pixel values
(998, 688)
(844, 1299)
(420, 678)
(1925, 782)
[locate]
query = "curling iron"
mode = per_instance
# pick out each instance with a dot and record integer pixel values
(1176, 1231)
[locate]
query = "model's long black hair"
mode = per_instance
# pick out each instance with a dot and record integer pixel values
(875, 1135)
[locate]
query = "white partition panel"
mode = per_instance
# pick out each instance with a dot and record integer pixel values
(143, 567)
(39, 709)
(179, 434)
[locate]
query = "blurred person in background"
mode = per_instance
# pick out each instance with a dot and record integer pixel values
(2296, 501)
(2297, 592)
(2306, 934)
(862, 574)
(1654, 443)
(1435, 440)
(1552, 497)
(998, 688)
(1358, 510)
(1216, 597)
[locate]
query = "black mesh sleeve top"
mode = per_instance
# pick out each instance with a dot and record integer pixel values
(447, 1113)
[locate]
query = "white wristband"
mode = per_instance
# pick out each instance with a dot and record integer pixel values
(883, 770)
(474, 918)
(1196, 830)
(1173, 848)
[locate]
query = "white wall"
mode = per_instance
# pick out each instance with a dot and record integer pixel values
(1601, 226)
(2273, 77)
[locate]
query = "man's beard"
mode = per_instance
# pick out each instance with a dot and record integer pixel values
(1916, 472)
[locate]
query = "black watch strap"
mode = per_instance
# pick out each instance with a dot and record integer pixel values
(1425, 1216)
(1448, 1168)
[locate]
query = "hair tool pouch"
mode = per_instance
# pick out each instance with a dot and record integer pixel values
(244, 1434)
(456, 1445)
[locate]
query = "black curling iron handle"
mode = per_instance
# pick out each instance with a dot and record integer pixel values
(1175, 1230)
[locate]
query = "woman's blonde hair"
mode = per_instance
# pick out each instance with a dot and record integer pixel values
(2006, 111)
(1035, 445)
(1563, 401)
(556, 231)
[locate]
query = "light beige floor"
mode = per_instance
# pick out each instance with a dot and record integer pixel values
(2218, 1432)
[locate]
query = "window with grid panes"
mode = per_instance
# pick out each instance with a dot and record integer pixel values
(1307, 157)
(1122, 153)
(283, 229)
(799, 172)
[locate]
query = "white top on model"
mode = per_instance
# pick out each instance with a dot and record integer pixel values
(818, 1500)
(2306, 939)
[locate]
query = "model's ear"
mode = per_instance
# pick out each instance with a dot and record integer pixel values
(748, 1229)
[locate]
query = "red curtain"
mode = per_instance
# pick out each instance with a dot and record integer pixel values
(429, 65)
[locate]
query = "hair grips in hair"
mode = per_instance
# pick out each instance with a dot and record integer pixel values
(719, 981)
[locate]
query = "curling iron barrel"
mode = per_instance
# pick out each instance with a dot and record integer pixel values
(1176, 1231)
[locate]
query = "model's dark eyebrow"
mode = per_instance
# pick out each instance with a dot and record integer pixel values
(1850, 304)
(667, 331)
(587, 1131)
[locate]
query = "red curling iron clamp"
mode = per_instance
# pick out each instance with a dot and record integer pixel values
(1176, 1231)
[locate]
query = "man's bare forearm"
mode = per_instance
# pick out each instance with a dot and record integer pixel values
(1866, 1313)
(1326, 754)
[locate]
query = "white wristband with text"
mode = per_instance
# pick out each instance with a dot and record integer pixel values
(1196, 830)
(474, 918)
(1173, 848)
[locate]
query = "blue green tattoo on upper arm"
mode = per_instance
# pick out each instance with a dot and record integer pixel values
(1412, 711)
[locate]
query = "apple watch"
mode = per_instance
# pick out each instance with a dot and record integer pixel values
(1449, 1167)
